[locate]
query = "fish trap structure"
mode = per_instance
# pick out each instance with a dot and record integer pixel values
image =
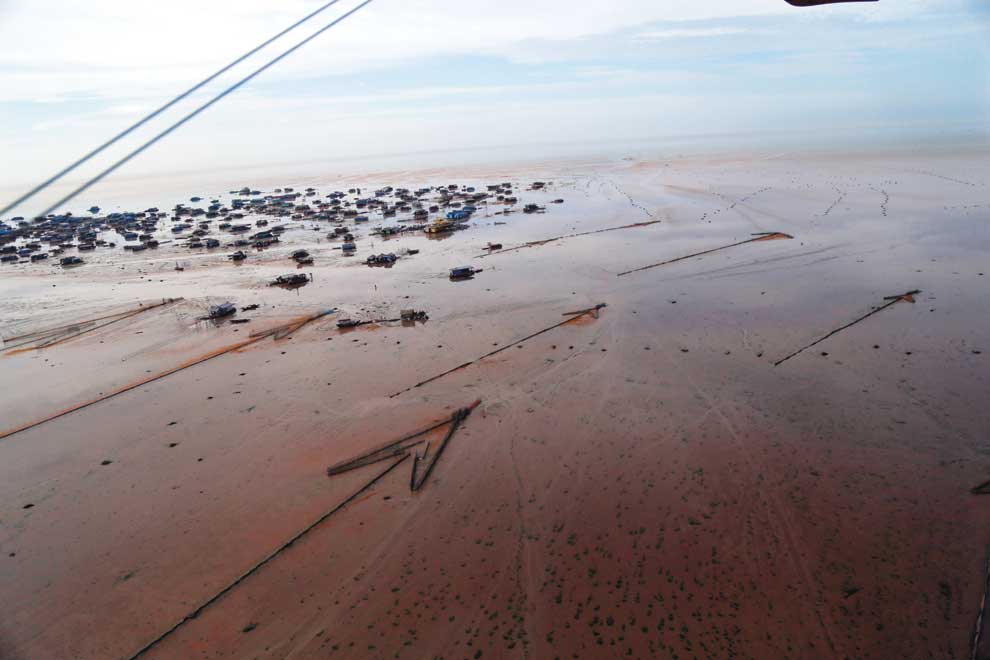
(423, 463)
(53, 336)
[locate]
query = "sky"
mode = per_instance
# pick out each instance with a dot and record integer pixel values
(519, 77)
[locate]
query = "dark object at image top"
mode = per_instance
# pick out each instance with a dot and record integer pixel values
(815, 3)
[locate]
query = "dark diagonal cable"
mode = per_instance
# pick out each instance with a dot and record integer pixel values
(44, 184)
(102, 175)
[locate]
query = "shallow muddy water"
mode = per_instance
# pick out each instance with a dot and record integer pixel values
(645, 483)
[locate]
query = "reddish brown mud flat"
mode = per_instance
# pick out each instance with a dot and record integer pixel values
(640, 481)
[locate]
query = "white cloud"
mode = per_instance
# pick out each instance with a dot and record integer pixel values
(690, 33)
(127, 48)
(57, 49)
(591, 69)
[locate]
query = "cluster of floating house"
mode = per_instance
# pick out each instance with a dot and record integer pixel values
(51, 236)
(243, 222)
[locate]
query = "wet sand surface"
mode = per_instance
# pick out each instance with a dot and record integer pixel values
(641, 484)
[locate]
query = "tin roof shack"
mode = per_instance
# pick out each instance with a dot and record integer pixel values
(290, 281)
(381, 259)
(463, 273)
(302, 257)
(222, 310)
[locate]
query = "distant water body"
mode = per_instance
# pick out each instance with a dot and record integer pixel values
(129, 192)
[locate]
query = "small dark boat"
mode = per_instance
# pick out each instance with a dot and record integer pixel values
(381, 259)
(461, 273)
(296, 279)
(222, 310)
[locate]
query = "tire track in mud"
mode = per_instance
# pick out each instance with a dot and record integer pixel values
(632, 202)
(498, 393)
(732, 203)
(549, 382)
(965, 207)
(746, 342)
(885, 202)
(495, 396)
(752, 195)
(838, 200)
(943, 177)
(939, 421)
(776, 513)
(513, 396)
(520, 597)
(587, 186)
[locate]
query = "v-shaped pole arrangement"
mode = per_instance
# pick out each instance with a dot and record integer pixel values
(423, 463)
(60, 334)
(397, 449)
(278, 332)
